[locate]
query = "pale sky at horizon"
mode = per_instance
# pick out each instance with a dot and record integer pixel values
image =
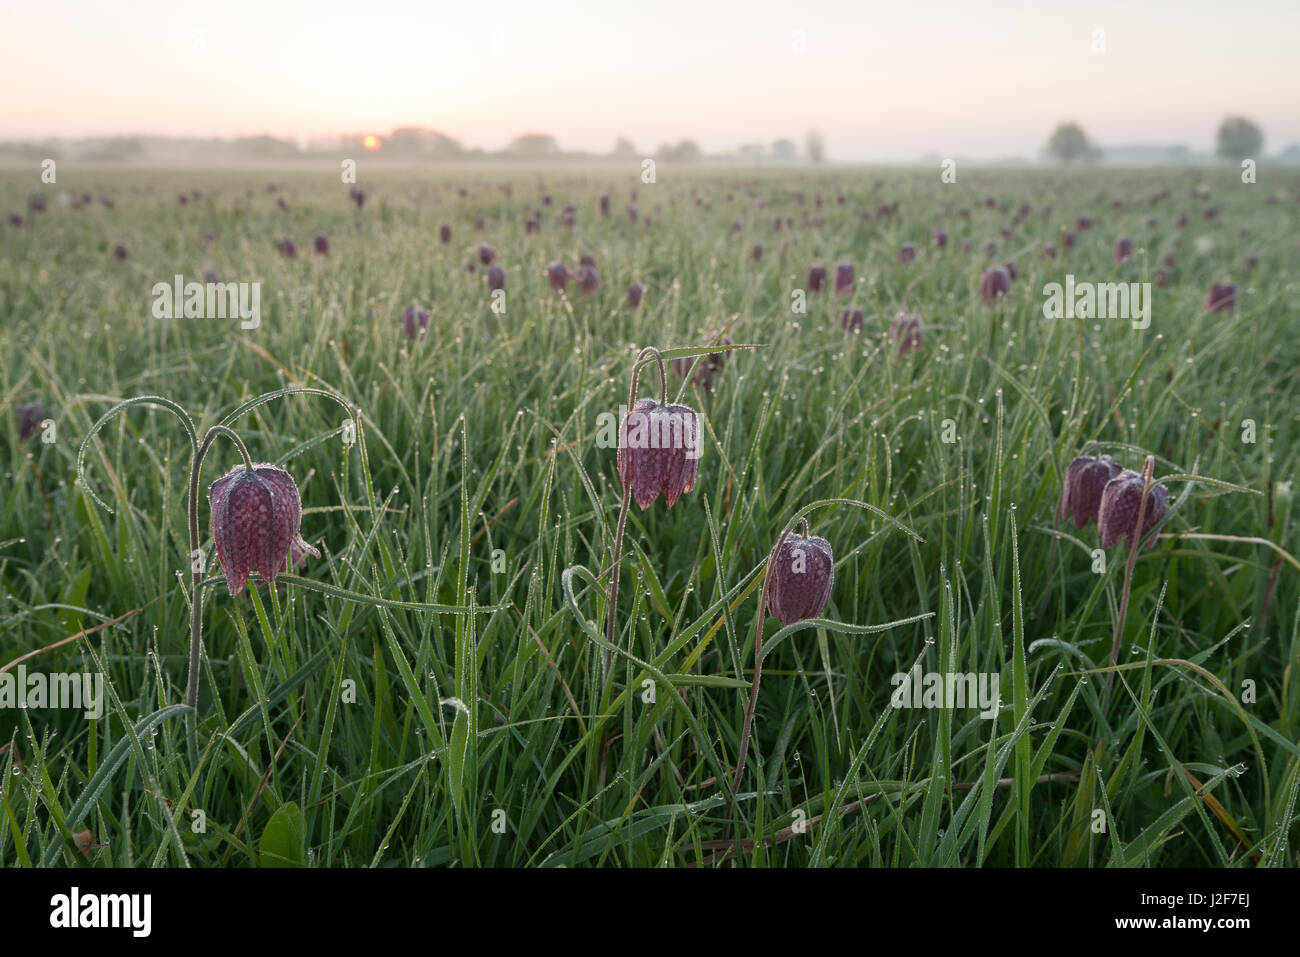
(880, 80)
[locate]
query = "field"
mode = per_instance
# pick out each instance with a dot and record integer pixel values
(342, 721)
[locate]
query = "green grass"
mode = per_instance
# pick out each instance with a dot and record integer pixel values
(335, 732)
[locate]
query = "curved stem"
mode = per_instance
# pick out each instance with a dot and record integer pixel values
(649, 352)
(196, 565)
(747, 727)
(1135, 545)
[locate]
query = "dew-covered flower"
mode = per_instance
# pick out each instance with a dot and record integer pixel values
(800, 578)
(659, 450)
(415, 321)
(256, 523)
(1222, 297)
(1118, 512)
(1085, 479)
(994, 284)
(908, 332)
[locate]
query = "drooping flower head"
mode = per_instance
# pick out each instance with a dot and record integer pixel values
(415, 321)
(800, 578)
(496, 277)
(843, 278)
(1118, 512)
(1085, 479)
(634, 293)
(994, 284)
(558, 275)
(29, 419)
(659, 449)
(256, 523)
(322, 245)
(851, 320)
(908, 332)
(1222, 297)
(1123, 249)
(816, 279)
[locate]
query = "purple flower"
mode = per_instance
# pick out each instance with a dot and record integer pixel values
(1083, 222)
(634, 293)
(994, 283)
(1012, 269)
(940, 239)
(1120, 500)
(357, 195)
(256, 523)
(756, 253)
(1085, 479)
(851, 320)
(558, 275)
(658, 451)
(16, 220)
(604, 204)
(1123, 249)
(322, 245)
(120, 253)
(486, 254)
(532, 226)
(1049, 250)
(415, 321)
(288, 248)
(444, 233)
(1222, 297)
(844, 278)
(588, 280)
(29, 419)
(908, 332)
(801, 575)
(816, 279)
(496, 278)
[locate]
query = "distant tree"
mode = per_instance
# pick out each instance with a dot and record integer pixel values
(624, 148)
(418, 141)
(815, 145)
(752, 152)
(687, 151)
(784, 151)
(1069, 144)
(534, 144)
(1239, 138)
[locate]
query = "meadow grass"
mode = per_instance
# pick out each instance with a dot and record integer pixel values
(334, 732)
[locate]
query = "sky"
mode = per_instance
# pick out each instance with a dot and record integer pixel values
(883, 81)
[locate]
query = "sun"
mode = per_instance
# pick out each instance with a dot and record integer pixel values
(372, 142)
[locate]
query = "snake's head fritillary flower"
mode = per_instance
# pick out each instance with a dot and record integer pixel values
(604, 204)
(800, 578)
(1083, 222)
(29, 419)
(1012, 269)
(415, 321)
(444, 233)
(558, 275)
(1123, 249)
(634, 293)
(756, 252)
(121, 253)
(322, 245)
(1085, 479)
(588, 280)
(940, 238)
(486, 254)
(256, 523)
(1118, 512)
(16, 220)
(851, 320)
(908, 332)
(357, 195)
(1222, 297)
(816, 279)
(844, 278)
(496, 278)
(994, 284)
(659, 449)
(1049, 250)
(288, 248)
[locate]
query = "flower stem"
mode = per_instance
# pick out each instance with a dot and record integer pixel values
(747, 726)
(196, 564)
(1135, 544)
(646, 354)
